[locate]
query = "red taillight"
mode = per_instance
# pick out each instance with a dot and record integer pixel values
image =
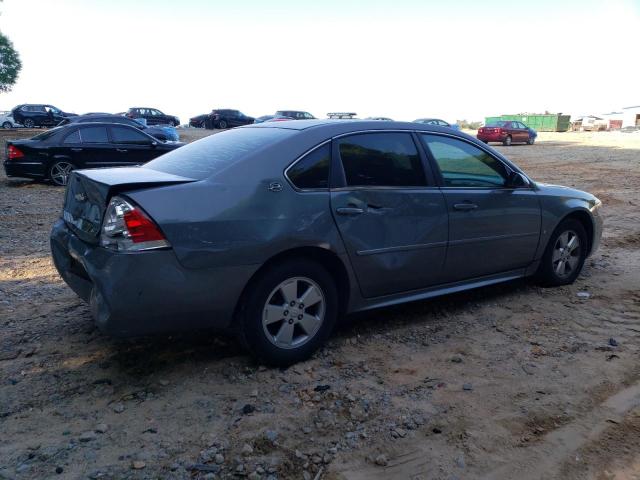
(141, 228)
(127, 228)
(14, 152)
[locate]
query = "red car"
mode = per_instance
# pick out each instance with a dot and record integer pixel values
(507, 132)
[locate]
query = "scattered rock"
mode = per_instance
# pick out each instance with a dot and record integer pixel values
(247, 449)
(138, 465)
(613, 342)
(118, 407)
(248, 408)
(59, 470)
(219, 458)
(321, 388)
(436, 430)
(271, 435)
(87, 436)
(583, 294)
(467, 387)
(456, 359)
(164, 382)
(102, 428)
(382, 460)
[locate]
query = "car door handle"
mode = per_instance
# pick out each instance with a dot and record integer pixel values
(76, 149)
(121, 150)
(349, 211)
(465, 206)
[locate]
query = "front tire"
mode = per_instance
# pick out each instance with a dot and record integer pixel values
(29, 123)
(507, 141)
(288, 312)
(222, 124)
(531, 141)
(60, 171)
(565, 254)
(7, 125)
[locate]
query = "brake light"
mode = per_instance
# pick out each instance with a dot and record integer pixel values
(14, 153)
(127, 227)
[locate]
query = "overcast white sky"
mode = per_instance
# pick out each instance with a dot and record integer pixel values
(402, 59)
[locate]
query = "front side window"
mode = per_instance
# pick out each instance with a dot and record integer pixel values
(129, 135)
(312, 171)
(381, 159)
(464, 165)
(94, 135)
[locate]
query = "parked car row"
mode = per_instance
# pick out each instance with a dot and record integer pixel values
(31, 115)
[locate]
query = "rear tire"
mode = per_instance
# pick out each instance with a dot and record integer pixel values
(29, 123)
(274, 322)
(507, 141)
(565, 254)
(59, 172)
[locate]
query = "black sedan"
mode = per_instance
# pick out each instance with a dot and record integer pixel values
(221, 118)
(165, 133)
(55, 153)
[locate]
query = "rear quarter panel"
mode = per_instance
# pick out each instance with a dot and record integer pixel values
(214, 224)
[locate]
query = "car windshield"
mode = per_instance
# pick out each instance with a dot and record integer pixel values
(215, 153)
(47, 134)
(496, 124)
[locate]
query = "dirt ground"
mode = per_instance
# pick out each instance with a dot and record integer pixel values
(511, 381)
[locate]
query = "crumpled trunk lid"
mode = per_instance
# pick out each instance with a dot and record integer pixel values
(89, 191)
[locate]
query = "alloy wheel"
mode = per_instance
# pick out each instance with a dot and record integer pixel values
(294, 312)
(29, 123)
(60, 172)
(566, 254)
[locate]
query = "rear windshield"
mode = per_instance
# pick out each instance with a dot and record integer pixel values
(46, 134)
(212, 154)
(496, 124)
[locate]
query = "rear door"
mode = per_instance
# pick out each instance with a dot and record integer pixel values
(131, 146)
(392, 218)
(493, 227)
(95, 149)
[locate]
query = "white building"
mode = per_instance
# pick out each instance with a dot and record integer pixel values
(631, 116)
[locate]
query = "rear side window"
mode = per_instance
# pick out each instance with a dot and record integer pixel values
(129, 136)
(464, 165)
(94, 135)
(215, 153)
(312, 171)
(381, 159)
(73, 137)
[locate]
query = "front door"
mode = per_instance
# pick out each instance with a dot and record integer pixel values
(493, 227)
(392, 219)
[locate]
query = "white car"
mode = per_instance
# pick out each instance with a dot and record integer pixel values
(7, 121)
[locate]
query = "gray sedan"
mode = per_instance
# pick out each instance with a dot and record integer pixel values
(277, 230)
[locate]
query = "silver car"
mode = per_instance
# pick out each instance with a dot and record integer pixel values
(278, 230)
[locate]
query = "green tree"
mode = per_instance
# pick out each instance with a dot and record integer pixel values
(10, 64)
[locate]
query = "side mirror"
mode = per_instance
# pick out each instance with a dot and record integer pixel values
(518, 180)
(154, 144)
